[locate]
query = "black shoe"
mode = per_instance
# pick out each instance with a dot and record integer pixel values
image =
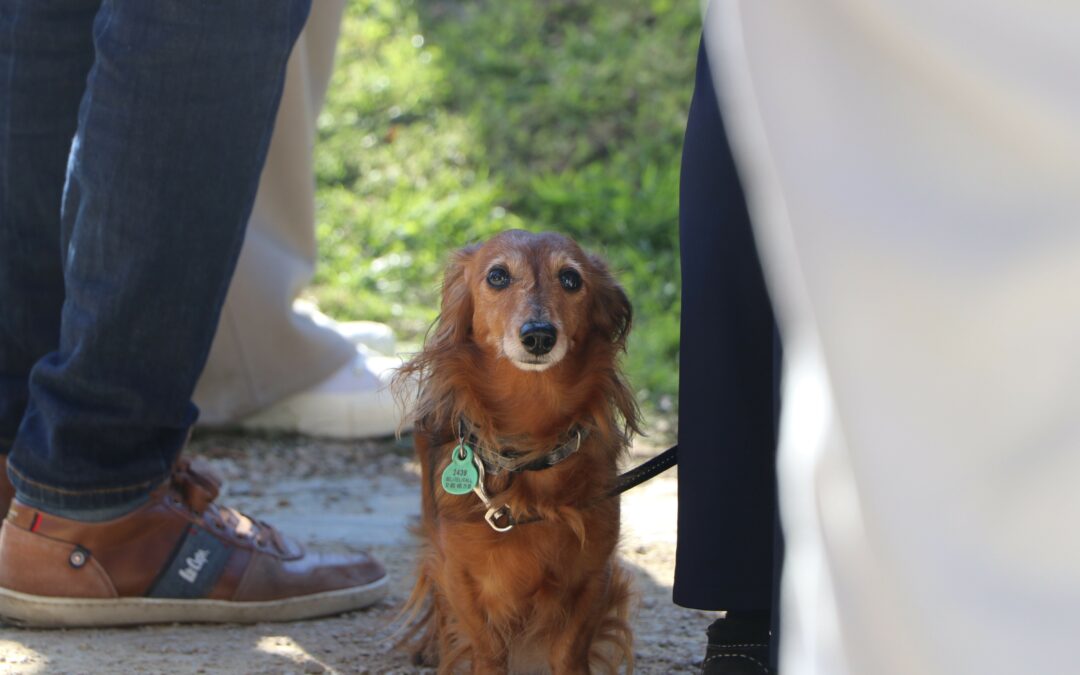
(738, 646)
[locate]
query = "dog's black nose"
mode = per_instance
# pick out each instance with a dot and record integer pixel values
(538, 337)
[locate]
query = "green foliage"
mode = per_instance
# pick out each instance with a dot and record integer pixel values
(449, 121)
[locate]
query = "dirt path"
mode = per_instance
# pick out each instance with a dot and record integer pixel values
(362, 496)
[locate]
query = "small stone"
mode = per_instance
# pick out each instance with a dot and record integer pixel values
(314, 668)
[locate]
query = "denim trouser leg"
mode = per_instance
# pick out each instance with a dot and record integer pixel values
(43, 67)
(172, 130)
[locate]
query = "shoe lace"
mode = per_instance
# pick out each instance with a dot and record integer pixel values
(198, 485)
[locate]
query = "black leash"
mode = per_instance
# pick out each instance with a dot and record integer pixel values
(643, 472)
(626, 481)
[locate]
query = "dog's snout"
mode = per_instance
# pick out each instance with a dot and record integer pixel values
(538, 337)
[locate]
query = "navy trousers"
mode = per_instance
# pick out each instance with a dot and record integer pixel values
(728, 544)
(132, 135)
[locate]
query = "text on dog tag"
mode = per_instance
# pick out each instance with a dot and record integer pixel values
(460, 476)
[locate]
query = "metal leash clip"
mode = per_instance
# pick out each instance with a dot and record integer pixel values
(493, 514)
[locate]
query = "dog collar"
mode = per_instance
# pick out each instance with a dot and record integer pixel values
(507, 459)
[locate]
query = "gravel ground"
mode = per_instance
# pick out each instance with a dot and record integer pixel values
(348, 496)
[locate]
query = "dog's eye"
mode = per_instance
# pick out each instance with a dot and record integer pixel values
(570, 279)
(498, 277)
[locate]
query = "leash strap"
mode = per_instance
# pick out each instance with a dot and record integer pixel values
(631, 479)
(643, 472)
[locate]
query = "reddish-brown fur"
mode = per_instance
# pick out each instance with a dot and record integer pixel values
(548, 594)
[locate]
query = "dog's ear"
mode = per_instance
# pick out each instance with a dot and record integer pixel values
(455, 317)
(611, 309)
(453, 327)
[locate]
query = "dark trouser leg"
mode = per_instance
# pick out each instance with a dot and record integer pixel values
(46, 50)
(172, 132)
(729, 543)
(727, 436)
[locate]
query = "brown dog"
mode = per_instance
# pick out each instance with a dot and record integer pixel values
(521, 403)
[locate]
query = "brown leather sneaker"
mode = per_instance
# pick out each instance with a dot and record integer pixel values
(7, 490)
(177, 558)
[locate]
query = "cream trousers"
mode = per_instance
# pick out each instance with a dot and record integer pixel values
(913, 171)
(264, 350)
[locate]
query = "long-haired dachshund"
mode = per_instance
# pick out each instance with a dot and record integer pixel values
(520, 420)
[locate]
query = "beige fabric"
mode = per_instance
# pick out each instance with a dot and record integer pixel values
(912, 169)
(264, 350)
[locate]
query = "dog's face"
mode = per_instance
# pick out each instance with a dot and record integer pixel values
(533, 298)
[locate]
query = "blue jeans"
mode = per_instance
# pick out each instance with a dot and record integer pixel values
(132, 135)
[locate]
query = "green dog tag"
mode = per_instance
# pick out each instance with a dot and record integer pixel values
(460, 476)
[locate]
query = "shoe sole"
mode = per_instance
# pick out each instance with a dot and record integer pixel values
(37, 611)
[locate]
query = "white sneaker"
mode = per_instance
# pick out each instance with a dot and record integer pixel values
(354, 402)
(371, 334)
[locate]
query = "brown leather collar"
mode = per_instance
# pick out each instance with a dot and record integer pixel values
(506, 458)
